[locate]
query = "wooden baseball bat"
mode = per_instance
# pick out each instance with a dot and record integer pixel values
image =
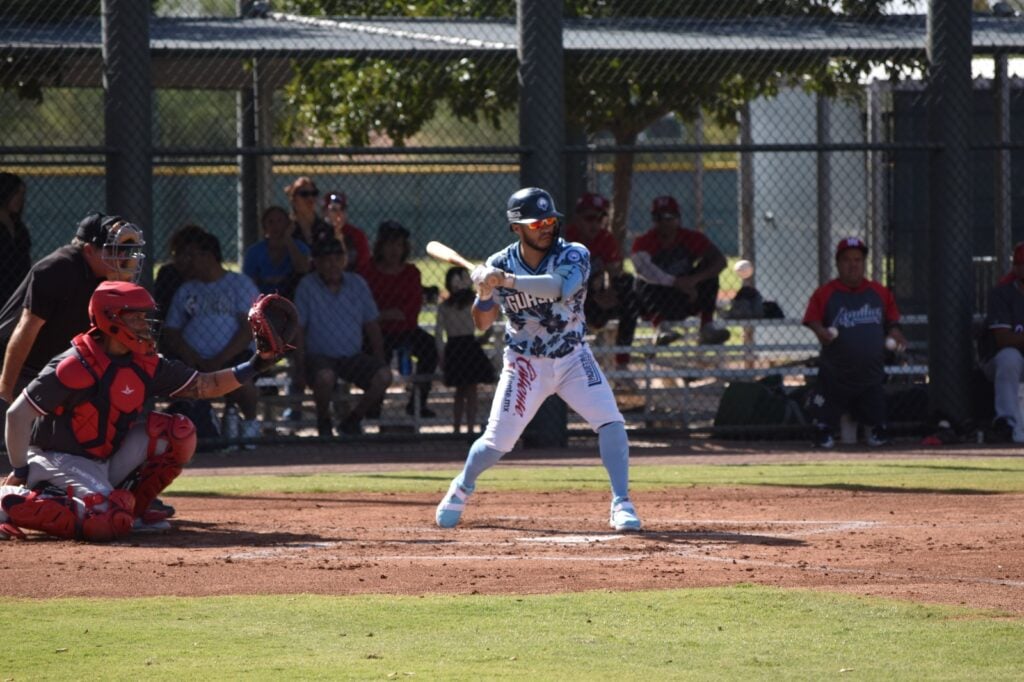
(449, 255)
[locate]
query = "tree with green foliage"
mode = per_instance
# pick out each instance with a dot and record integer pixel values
(359, 101)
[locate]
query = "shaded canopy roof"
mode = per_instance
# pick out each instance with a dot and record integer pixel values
(208, 52)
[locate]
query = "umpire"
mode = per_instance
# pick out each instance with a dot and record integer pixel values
(51, 305)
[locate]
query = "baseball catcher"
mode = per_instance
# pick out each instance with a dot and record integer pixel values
(87, 459)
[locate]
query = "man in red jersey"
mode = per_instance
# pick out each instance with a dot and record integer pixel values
(678, 271)
(610, 292)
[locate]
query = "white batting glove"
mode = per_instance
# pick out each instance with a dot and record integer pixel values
(494, 277)
(479, 274)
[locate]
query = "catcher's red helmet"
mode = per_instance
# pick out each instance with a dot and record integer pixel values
(111, 300)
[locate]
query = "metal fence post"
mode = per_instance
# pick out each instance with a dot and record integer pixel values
(950, 272)
(128, 117)
(823, 160)
(542, 131)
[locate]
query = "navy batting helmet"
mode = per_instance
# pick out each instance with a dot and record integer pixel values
(530, 205)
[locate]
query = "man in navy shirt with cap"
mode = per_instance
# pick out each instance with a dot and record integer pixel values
(852, 316)
(1003, 350)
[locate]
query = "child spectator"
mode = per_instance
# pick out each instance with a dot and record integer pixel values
(465, 363)
(356, 243)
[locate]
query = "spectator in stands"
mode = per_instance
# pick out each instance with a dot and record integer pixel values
(356, 243)
(207, 325)
(611, 293)
(678, 270)
(15, 242)
(173, 273)
(1001, 351)
(336, 311)
(306, 224)
(852, 316)
(398, 291)
(465, 364)
(278, 261)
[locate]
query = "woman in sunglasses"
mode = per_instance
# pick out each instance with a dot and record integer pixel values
(306, 224)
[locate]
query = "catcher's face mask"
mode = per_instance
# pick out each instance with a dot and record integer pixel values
(139, 329)
(122, 252)
(126, 312)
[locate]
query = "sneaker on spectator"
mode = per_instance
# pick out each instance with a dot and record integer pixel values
(450, 509)
(711, 335)
(823, 439)
(623, 515)
(877, 437)
(1001, 431)
(666, 335)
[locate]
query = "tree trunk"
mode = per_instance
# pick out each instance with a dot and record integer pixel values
(622, 185)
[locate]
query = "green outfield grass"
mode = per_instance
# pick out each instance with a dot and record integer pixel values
(737, 632)
(743, 632)
(979, 476)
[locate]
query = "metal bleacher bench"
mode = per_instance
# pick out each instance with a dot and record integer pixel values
(663, 380)
(681, 383)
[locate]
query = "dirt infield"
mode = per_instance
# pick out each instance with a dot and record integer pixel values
(927, 547)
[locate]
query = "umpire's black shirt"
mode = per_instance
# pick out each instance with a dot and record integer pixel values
(57, 289)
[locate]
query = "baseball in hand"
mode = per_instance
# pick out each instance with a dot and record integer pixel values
(890, 343)
(743, 268)
(833, 332)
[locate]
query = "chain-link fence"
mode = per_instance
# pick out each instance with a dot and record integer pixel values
(712, 156)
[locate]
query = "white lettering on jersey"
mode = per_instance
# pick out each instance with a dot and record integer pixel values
(522, 301)
(863, 315)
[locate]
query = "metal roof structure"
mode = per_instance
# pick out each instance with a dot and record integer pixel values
(221, 44)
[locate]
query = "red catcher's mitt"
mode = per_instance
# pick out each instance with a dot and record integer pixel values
(274, 322)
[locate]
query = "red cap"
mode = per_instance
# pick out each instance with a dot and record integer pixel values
(851, 243)
(1018, 254)
(589, 201)
(665, 204)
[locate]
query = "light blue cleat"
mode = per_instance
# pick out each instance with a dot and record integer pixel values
(449, 511)
(623, 515)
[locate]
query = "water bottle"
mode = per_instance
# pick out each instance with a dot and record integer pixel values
(231, 423)
(404, 362)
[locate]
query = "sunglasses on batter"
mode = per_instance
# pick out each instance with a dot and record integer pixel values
(550, 221)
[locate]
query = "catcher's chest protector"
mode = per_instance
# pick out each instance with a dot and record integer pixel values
(116, 394)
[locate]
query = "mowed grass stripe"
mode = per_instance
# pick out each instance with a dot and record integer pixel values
(742, 632)
(963, 476)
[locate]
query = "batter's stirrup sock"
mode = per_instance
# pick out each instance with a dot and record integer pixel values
(614, 447)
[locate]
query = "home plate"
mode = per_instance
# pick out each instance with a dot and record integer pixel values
(572, 539)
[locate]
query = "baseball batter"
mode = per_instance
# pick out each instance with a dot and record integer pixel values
(542, 286)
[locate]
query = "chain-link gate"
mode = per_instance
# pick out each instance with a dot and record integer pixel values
(712, 155)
